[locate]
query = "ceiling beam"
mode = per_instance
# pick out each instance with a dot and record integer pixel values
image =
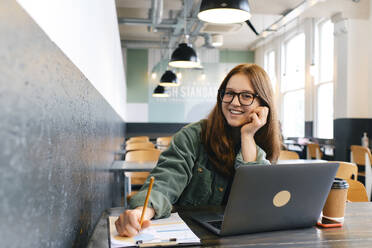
(166, 23)
(140, 44)
(173, 28)
(287, 18)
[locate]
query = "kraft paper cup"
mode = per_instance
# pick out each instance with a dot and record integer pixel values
(334, 208)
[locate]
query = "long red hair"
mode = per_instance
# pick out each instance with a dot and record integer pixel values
(217, 135)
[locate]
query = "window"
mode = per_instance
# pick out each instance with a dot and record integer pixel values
(324, 82)
(292, 87)
(270, 68)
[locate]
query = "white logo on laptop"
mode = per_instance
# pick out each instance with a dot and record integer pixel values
(281, 198)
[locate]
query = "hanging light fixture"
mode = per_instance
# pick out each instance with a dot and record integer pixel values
(160, 91)
(224, 11)
(169, 78)
(184, 57)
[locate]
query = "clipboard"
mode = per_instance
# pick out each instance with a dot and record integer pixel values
(167, 232)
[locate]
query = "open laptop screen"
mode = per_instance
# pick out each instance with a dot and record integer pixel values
(275, 197)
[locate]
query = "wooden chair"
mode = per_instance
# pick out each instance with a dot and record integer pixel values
(346, 170)
(139, 178)
(139, 146)
(138, 139)
(313, 151)
(288, 155)
(362, 157)
(356, 192)
(143, 155)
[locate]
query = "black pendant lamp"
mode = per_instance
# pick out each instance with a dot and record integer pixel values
(184, 57)
(169, 78)
(160, 92)
(224, 11)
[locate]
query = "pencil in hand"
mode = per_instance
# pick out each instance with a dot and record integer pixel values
(152, 179)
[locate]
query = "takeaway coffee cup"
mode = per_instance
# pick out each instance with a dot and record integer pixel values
(334, 208)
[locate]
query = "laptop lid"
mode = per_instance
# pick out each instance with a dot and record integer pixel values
(276, 197)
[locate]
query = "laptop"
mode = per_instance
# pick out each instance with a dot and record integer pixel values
(272, 197)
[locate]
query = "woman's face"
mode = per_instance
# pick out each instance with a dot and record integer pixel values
(237, 115)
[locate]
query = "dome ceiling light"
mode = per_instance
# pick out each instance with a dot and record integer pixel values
(169, 78)
(184, 57)
(160, 91)
(224, 11)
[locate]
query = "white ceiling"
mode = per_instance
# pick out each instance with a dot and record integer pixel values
(264, 13)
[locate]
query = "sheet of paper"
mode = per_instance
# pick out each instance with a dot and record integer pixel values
(161, 230)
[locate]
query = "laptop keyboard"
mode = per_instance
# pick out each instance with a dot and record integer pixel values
(217, 224)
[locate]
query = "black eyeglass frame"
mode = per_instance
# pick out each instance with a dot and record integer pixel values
(221, 93)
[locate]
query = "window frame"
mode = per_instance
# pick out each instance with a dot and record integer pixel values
(282, 93)
(266, 59)
(316, 82)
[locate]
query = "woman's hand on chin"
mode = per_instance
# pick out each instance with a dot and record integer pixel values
(257, 119)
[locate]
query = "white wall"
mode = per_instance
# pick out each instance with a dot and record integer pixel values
(87, 32)
(357, 66)
(340, 69)
(370, 63)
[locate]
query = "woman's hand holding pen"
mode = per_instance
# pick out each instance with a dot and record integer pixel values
(128, 223)
(131, 222)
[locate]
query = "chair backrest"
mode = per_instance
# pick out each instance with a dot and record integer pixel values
(362, 156)
(346, 170)
(356, 192)
(148, 155)
(143, 155)
(288, 155)
(138, 139)
(139, 146)
(358, 154)
(313, 151)
(163, 141)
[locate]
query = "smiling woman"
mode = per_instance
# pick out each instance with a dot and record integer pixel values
(198, 167)
(256, 122)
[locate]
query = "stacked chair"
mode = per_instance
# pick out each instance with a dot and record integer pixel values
(356, 192)
(313, 151)
(138, 139)
(361, 156)
(141, 156)
(139, 146)
(349, 171)
(140, 149)
(288, 155)
(162, 143)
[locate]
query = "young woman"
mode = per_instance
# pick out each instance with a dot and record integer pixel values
(198, 167)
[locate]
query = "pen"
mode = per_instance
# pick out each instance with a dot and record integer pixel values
(147, 199)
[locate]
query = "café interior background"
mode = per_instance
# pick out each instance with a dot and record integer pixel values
(74, 79)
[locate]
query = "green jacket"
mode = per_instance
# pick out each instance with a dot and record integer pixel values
(184, 176)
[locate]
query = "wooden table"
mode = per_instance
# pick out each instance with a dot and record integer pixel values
(120, 187)
(356, 232)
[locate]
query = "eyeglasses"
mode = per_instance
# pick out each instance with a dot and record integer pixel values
(245, 98)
